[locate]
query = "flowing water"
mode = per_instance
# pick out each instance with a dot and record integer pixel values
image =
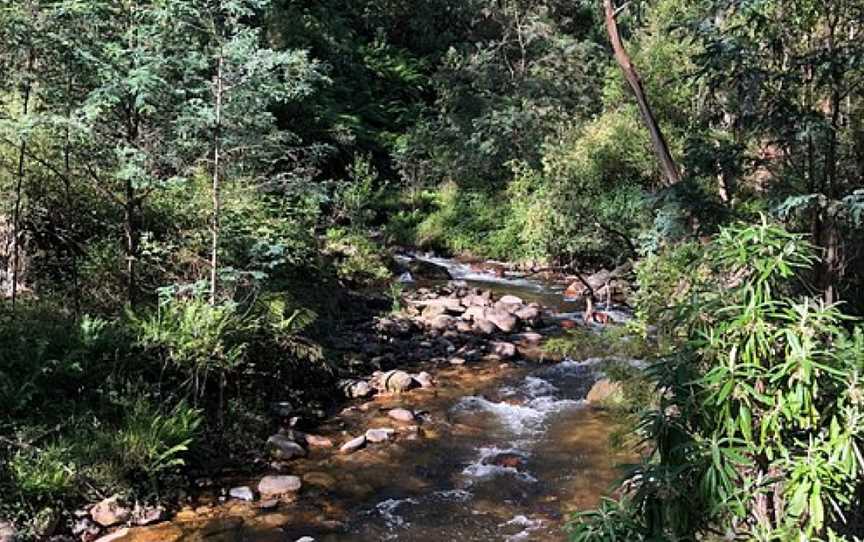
(502, 452)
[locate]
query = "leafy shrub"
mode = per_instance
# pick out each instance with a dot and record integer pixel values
(151, 441)
(760, 419)
(196, 337)
(358, 259)
(49, 472)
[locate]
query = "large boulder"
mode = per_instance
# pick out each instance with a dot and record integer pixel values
(502, 319)
(511, 300)
(273, 486)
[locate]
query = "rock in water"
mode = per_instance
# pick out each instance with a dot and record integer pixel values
(243, 493)
(272, 486)
(353, 445)
(109, 512)
(379, 435)
(401, 415)
(429, 271)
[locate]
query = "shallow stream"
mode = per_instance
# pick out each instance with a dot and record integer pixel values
(502, 452)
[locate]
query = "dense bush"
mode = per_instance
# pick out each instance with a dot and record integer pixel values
(759, 423)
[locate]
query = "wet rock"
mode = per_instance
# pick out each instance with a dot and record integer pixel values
(401, 415)
(315, 441)
(595, 281)
(424, 379)
(506, 460)
(116, 535)
(353, 445)
(243, 493)
(484, 327)
(319, 479)
(568, 324)
(355, 389)
(425, 270)
(456, 360)
(269, 504)
(305, 539)
(604, 391)
(503, 320)
(284, 447)
(379, 435)
(147, 515)
(109, 512)
(397, 381)
(504, 350)
(273, 486)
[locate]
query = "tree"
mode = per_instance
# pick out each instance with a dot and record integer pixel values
(658, 141)
(231, 114)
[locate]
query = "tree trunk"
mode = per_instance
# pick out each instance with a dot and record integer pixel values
(214, 241)
(130, 218)
(658, 141)
(19, 186)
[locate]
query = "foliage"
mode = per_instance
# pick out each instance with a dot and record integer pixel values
(359, 260)
(611, 342)
(758, 428)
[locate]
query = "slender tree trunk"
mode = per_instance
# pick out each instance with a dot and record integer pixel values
(130, 227)
(67, 180)
(19, 186)
(658, 141)
(217, 142)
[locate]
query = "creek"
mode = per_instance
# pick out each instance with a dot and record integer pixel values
(499, 452)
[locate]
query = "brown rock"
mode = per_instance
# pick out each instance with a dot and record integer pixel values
(401, 415)
(316, 441)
